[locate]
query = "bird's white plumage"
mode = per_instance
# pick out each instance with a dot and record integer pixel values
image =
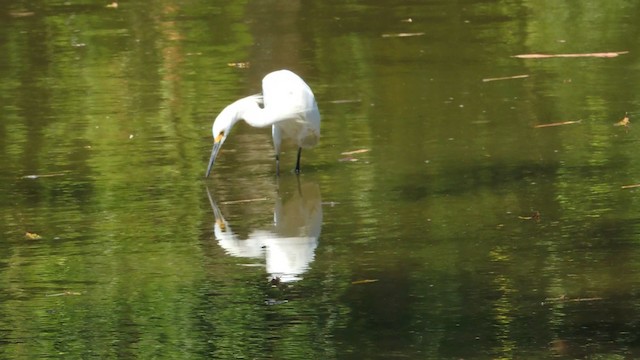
(287, 104)
(289, 95)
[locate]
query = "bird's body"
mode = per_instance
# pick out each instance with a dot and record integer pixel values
(287, 104)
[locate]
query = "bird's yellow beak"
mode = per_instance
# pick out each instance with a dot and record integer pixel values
(214, 152)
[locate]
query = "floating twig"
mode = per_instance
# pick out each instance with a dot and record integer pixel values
(402, 34)
(345, 101)
(546, 56)
(558, 124)
(534, 216)
(66, 293)
(564, 299)
(506, 78)
(36, 176)
(629, 186)
(365, 281)
(243, 201)
(359, 151)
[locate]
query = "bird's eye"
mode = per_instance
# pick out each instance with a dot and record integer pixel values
(219, 137)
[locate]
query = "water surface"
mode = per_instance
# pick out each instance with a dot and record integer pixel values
(434, 219)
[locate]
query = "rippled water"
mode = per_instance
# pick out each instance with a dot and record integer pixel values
(435, 219)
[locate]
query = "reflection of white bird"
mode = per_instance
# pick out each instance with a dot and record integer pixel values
(288, 105)
(289, 246)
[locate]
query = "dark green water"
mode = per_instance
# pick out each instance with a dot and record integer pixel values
(459, 231)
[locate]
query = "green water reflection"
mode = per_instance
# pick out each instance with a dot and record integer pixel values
(434, 220)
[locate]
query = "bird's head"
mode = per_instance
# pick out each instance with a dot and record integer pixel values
(246, 108)
(221, 128)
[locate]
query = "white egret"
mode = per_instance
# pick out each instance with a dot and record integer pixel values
(286, 103)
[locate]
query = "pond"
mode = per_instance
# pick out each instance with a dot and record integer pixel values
(463, 202)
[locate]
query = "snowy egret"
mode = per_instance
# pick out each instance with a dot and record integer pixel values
(286, 103)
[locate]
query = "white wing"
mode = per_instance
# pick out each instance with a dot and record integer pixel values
(288, 97)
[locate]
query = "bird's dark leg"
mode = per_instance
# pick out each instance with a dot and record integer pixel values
(277, 164)
(298, 161)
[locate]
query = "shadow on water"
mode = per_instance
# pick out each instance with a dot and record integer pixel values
(460, 180)
(288, 245)
(463, 180)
